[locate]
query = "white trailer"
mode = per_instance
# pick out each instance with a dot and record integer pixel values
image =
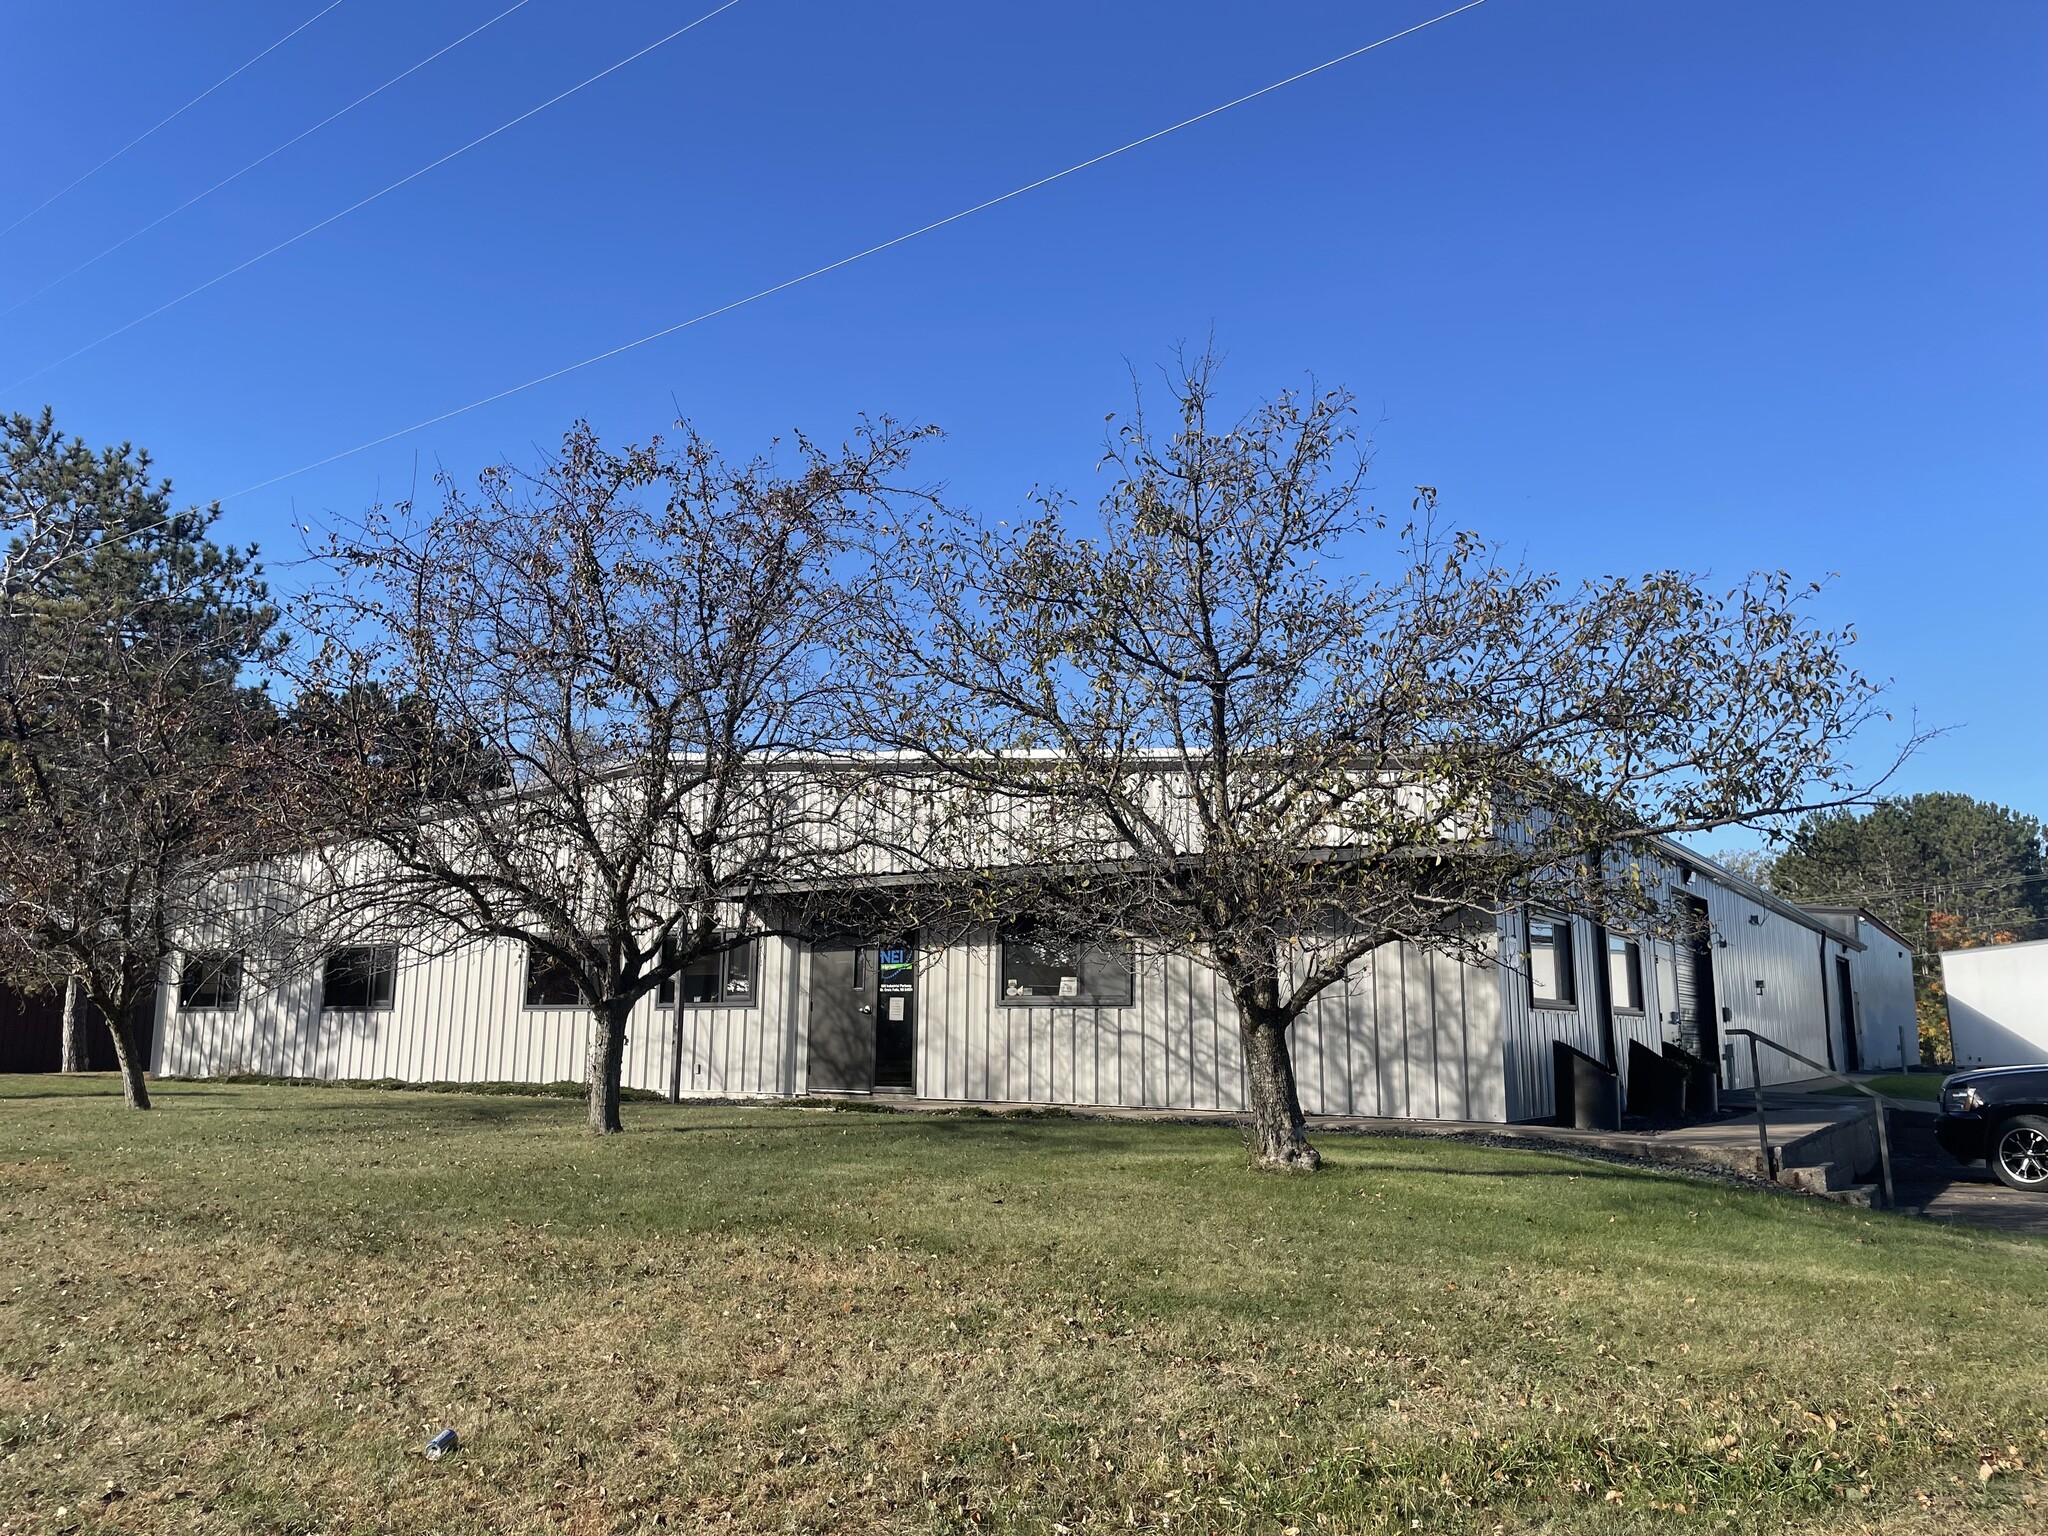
(1998, 1004)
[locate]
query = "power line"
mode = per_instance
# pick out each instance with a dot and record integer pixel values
(1936, 888)
(117, 154)
(380, 192)
(260, 159)
(847, 261)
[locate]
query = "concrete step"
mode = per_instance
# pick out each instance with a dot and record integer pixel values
(1829, 1157)
(1831, 1181)
(1816, 1178)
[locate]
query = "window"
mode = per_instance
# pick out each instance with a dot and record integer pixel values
(210, 981)
(1038, 968)
(1551, 980)
(549, 983)
(895, 968)
(360, 976)
(1625, 974)
(725, 977)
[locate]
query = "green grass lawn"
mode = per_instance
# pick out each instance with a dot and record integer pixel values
(1925, 1086)
(247, 1310)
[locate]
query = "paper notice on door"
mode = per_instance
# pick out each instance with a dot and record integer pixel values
(1070, 986)
(896, 1009)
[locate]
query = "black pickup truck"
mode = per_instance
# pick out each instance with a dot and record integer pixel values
(1999, 1115)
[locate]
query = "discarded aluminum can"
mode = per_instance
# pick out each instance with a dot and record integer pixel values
(441, 1445)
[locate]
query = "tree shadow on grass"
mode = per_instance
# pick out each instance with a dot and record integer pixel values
(1439, 1171)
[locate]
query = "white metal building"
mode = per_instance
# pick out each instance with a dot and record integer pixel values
(1000, 1020)
(1998, 1004)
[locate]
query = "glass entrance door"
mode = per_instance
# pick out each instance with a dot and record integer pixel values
(896, 1016)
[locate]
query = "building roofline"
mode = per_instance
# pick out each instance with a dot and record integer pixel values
(1727, 879)
(1862, 914)
(1991, 949)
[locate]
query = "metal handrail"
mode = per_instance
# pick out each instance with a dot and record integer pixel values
(1763, 1137)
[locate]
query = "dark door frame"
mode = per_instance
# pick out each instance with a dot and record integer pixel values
(866, 1052)
(842, 966)
(896, 1037)
(1845, 999)
(1603, 999)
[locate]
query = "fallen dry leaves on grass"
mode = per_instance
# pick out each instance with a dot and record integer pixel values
(228, 1359)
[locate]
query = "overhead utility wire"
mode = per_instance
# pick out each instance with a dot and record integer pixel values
(272, 154)
(847, 261)
(380, 192)
(117, 154)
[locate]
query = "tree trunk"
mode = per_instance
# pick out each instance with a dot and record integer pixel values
(1277, 1125)
(607, 1064)
(73, 1058)
(134, 1091)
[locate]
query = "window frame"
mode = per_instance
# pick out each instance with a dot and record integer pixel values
(1632, 949)
(225, 963)
(669, 992)
(1565, 959)
(384, 964)
(1125, 955)
(535, 960)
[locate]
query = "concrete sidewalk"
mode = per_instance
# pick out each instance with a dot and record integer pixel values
(1794, 1134)
(1724, 1146)
(1818, 1142)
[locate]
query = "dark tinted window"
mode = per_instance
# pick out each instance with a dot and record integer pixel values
(210, 981)
(723, 977)
(360, 976)
(739, 973)
(1037, 967)
(549, 983)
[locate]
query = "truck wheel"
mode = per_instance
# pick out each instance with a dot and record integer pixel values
(2019, 1156)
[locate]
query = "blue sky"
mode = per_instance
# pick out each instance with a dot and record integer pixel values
(1711, 285)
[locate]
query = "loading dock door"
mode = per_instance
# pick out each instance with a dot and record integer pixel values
(1699, 1031)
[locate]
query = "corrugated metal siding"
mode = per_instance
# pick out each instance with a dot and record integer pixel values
(1174, 1047)
(741, 1052)
(1528, 1031)
(1796, 966)
(461, 1017)
(1794, 1007)
(1409, 1034)
(1883, 973)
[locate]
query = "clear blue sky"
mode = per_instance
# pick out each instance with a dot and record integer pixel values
(1718, 285)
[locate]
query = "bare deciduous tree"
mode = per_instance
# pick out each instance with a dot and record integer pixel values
(633, 645)
(1205, 727)
(124, 727)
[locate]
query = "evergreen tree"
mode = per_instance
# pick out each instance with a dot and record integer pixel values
(1947, 871)
(125, 722)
